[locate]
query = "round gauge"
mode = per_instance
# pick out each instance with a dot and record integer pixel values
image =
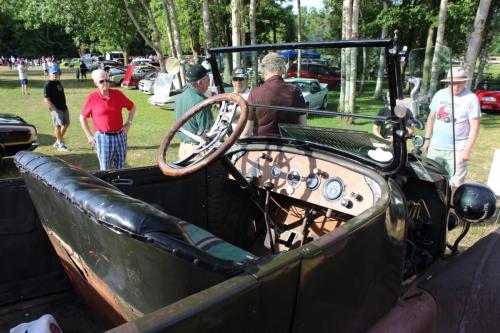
(333, 188)
(293, 178)
(312, 181)
(276, 171)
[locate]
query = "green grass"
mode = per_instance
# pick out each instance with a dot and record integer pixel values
(151, 124)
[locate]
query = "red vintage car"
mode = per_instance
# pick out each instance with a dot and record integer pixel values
(488, 93)
(323, 74)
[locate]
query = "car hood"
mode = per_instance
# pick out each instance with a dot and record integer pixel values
(10, 119)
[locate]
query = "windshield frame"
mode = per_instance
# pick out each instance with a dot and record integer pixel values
(392, 52)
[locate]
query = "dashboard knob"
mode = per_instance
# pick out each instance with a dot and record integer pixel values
(318, 172)
(346, 203)
(266, 157)
(357, 196)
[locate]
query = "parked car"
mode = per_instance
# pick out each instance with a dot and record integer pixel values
(314, 92)
(323, 74)
(16, 135)
(75, 62)
(146, 85)
(117, 74)
(488, 93)
(108, 64)
(136, 73)
(323, 228)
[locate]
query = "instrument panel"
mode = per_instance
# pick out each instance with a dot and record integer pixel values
(309, 179)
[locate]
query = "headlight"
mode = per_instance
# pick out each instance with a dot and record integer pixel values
(489, 99)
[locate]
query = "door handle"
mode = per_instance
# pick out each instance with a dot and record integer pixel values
(122, 181)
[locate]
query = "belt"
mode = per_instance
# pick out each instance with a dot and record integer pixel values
(109, 133)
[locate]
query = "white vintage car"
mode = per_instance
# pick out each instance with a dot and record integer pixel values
(315, 93)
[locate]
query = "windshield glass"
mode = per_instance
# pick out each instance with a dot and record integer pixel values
(327, 94)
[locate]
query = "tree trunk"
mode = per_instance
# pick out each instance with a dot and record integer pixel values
(363, 72)
(156, 34)
(168, 27)
(253, 41)
(439, 46)
(427, 60)
(381, 59)
(141, 32)
(475, 39)
(349, 78)
(354, 59)
(236, 26)
(206, 26)
(177, 37)
(486, 46)
(344, 55)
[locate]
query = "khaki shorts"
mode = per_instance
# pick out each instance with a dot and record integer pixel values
(60, 117)
(186, 149)
(445, 158)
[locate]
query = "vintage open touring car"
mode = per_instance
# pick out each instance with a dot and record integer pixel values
(318, 230)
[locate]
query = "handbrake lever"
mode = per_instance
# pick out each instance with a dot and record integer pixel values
(270, 240)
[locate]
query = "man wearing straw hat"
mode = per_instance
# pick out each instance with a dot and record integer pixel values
(439, 128)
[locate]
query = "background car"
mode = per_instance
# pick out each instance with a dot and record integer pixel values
(488, 93)
(16, 135)
(117, 74)
(75, 62)
(136, 73)
(322, 73)
(314, 92)
(108, 64)
(146, 85)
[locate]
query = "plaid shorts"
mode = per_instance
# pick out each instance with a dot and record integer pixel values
(446, 158)
(111, 150)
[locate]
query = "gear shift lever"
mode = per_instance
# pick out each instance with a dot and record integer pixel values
(270, 240)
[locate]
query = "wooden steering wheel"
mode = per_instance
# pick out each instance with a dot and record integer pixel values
(208, 145)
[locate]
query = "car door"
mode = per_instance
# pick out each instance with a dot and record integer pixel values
(316, 96)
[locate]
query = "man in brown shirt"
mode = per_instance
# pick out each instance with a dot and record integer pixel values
(274, 91)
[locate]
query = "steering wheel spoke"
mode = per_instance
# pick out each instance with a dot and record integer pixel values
(209, 145)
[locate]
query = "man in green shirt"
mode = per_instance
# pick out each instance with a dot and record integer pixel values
(198, 83)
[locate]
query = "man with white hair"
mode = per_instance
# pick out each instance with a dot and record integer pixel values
(274, 91)
(105, 106)
(440, 123)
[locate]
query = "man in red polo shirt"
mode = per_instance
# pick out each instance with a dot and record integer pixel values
(105, 106)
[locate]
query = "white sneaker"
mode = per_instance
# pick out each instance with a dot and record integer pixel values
(56, 144)
(62, 147)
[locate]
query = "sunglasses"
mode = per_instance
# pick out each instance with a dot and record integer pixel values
(238, 79)
(103, 81)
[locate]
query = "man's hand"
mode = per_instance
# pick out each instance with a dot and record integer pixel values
(91, 140)
(426, 145)
(126, 128)
(464, 156)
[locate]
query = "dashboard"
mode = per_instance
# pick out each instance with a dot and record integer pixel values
(319, 182)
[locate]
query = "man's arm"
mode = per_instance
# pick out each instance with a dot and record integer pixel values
(428, 129)
(126, 126)
(50, 104)
(473, 134)
(85, 127)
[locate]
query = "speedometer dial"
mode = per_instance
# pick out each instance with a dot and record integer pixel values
(293, 178)
(333, 188)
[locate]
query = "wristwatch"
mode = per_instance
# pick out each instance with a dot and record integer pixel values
(427, 138)
(129, 122)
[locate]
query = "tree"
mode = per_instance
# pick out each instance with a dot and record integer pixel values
(354, 59)
(177, 36)
(487, 43)
(236, 32)
(154, 43)
(475, 39)
(168, 28)
(253, 40)
(206, 25)
(438, 47)
(382, 60)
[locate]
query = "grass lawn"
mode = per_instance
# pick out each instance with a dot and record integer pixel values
(151, 123)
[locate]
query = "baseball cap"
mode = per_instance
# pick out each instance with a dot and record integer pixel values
(196, 72)
(240, 73)
(54, 70)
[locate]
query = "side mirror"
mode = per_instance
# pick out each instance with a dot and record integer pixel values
(474, 202)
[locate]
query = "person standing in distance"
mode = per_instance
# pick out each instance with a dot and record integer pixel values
(240, 85)
(274, 91)
(198, 83)
(105, 106)
(439, 127)
(22, 69)
(54, 96)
